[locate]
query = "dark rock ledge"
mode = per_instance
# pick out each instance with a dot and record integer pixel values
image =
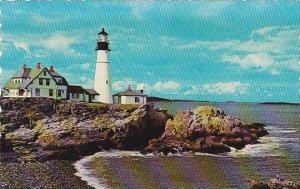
(44, 129)
(205, 129)
(41, 129)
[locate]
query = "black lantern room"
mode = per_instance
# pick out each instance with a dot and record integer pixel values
(102, 42)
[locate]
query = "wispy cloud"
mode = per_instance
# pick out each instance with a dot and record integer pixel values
(256, 60)
(121, 85)
(168, 86)
(265, 49)
(22, 45)
(226, 88)
(219, 88)
(60, 42)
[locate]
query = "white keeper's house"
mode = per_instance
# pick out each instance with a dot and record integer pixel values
(43, 82)
(130, 97)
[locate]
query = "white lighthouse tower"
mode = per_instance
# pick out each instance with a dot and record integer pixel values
(102, 83)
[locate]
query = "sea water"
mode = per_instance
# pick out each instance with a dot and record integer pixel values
(277, 154)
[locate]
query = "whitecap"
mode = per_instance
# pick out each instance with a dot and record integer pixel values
(87, 174)
(267, 147)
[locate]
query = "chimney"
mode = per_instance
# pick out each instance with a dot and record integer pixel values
(38, 66)
(129, 87)
(24, 67)
(52, 69)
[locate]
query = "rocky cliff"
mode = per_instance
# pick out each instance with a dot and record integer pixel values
(205, 129)
(43, 129)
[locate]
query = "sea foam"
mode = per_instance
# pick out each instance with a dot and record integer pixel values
(87, 174)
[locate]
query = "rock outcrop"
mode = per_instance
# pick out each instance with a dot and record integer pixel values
(275, 183)
(205, 129)
(43, 129)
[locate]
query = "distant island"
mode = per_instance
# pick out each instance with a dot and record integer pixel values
(280, 103)
(157, 99)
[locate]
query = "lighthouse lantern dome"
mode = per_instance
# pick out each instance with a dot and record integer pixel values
(103, 36)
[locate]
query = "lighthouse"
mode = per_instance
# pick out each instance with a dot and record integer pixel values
(102, 82)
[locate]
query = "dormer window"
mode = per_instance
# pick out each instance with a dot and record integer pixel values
(45, 73)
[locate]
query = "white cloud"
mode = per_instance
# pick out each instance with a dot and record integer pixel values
(226, 88)
(270, 49)
(171, 86)
(85, 66)
(293, 64)
(60, 43)
(193, 90)
(264, 31)
(122, 85)
(22, 45)
(257, 60)
(274, 71)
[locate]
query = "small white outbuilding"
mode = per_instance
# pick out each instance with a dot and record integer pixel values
(130, 97)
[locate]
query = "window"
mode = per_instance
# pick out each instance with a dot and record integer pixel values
(45, 73)
(37, 92)
(59, 93)
(40, 81)
(137, 99)
(50, 92)
(77, 96)
(47, 82)
(106, 81)
(59, 81)
(73, 95)
(21, 92)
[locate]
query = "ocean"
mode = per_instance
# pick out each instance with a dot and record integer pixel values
(277, 154)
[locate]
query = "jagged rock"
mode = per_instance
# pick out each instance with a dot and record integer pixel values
(275, 183)
(279, 183)
(208, 111)
(42, 129)
(22, 136)
(258, 185)
(206, 129)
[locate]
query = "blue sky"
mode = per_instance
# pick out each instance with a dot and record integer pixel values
(216, 51)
